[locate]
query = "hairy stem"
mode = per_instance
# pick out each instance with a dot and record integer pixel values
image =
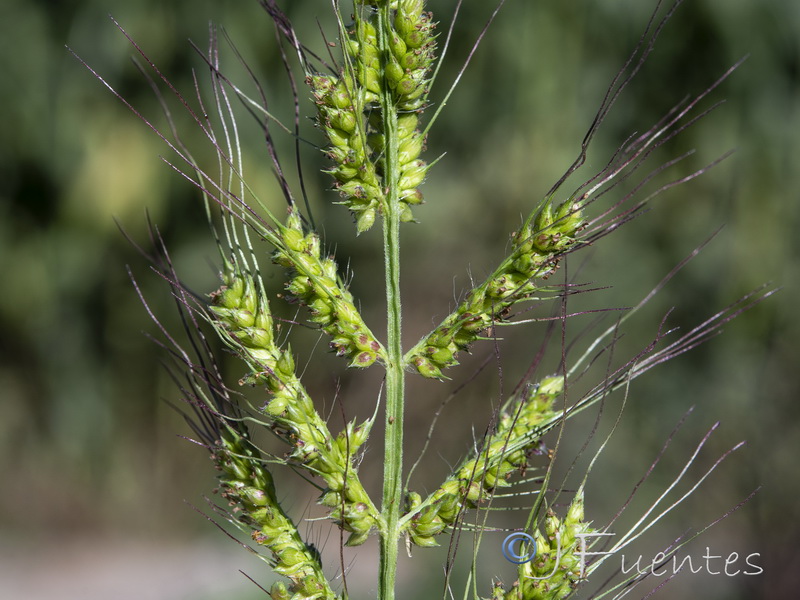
(395, 383)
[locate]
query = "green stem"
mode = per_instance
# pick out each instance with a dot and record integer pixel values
(395, 382)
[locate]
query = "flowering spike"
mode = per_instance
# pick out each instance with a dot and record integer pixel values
(505, 451)
(536, 250)
(315, 283)
(290, 407)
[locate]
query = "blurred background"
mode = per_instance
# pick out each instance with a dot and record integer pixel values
(98, 487)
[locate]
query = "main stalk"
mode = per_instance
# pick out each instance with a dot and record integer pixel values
(395, 380)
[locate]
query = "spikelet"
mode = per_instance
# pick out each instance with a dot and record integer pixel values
(315, 283)
(537, 247)
(340, 106)
(411, 53)
(412, 45)
(505, 451)
(243, 320)
(248, 487)
(349, 109)
(557, 568)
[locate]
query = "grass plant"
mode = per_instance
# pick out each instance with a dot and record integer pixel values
(372, 111)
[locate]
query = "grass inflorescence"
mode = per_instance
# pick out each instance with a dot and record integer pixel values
(370, 101)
